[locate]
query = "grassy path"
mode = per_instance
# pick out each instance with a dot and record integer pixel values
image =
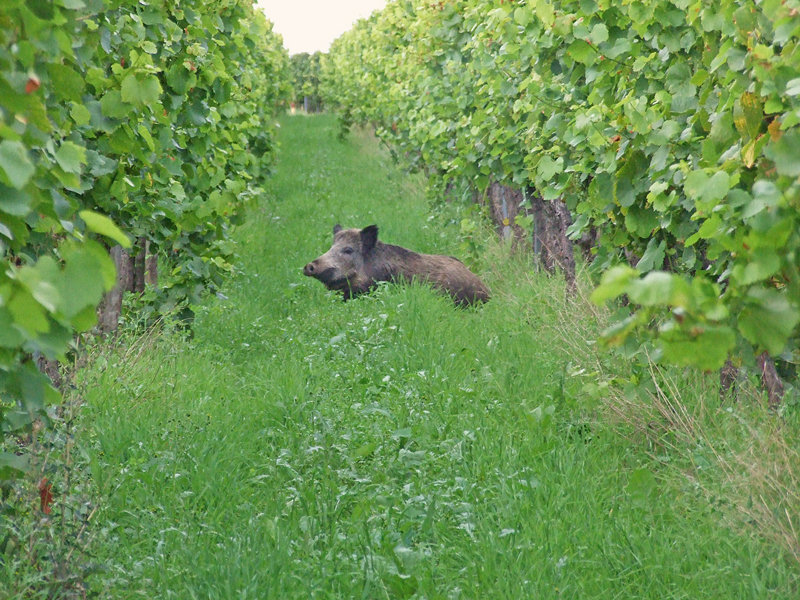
(300, 447)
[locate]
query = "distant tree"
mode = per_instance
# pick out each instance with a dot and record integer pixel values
(305, 73)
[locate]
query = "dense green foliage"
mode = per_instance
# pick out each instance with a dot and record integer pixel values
(305, 77)
(673, 126)
(155, 116)
(394, 446)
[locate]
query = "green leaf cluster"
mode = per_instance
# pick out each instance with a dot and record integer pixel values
(121, 120)
(670, 126)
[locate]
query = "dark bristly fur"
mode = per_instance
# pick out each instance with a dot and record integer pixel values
(357, 261)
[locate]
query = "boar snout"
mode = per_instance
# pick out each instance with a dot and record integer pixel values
(310, 269)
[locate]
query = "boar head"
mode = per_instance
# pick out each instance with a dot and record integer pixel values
(345, 266)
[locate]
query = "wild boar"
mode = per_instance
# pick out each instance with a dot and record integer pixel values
(357, 261)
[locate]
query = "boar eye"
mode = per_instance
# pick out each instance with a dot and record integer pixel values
(347, 250)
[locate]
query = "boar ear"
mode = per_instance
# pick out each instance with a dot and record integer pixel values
(336, 229)
(369, 236)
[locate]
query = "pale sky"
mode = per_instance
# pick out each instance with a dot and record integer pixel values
(311, 25)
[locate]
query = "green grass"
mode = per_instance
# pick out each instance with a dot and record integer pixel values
(301, 447)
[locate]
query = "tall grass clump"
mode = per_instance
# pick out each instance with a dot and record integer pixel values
(737, 452)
